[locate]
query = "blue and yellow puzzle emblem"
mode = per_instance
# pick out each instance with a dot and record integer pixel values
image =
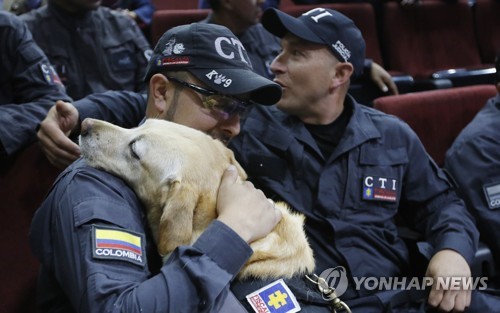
(274, 298)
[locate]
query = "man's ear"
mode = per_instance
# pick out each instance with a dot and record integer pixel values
(158, 86)
(343, 73)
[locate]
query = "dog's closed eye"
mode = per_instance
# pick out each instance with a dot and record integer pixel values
(135, 148)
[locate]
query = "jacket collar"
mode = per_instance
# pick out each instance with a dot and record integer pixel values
(69, 20)
(278, 129)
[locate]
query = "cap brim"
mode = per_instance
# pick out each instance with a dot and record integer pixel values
(260, 89)
(279, 23)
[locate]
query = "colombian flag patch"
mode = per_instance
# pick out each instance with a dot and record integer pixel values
(117, 244)
(274, 298)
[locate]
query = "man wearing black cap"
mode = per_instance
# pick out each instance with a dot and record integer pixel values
(198, 76)
(350, 169)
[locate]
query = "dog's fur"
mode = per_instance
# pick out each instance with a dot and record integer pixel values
(176, 172)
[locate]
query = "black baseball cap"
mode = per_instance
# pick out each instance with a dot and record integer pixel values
(322, 26)
(214, 55)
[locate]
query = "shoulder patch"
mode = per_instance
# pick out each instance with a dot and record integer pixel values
(50, 74)
(117, 244)
(273, 298)
(492, 193)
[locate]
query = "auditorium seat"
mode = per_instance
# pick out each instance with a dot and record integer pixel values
(163, 20)
(24, 181)
(284, 4)
(437, 116)
(433, 40)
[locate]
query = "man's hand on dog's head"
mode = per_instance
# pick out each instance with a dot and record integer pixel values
(245, 209)
(54, 132)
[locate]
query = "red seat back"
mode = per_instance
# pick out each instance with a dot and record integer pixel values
(437, 116)
(432, 36)
(24, 182)
(163, 20)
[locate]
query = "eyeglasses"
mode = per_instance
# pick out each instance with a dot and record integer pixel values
(221, 107)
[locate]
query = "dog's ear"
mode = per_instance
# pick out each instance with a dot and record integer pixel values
(176, 221)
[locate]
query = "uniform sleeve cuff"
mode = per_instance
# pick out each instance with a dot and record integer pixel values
(224, 246)
(458, 243)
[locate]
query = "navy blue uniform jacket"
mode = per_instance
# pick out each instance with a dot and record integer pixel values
(379, 169)
(99, 51)
(88, 209)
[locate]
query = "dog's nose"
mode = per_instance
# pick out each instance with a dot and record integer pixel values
(86, 127)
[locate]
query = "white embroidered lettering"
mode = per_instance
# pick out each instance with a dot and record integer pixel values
(342, 50)
(320, 13)
(220, 51)
(382, 182)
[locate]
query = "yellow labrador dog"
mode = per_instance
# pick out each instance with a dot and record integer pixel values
(176, 171)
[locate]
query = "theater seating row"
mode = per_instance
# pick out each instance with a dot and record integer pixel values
(436, 43)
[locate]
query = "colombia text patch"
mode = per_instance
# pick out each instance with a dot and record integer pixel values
(117, 244)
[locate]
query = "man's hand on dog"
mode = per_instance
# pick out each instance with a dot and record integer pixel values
(54, 131)
(244, 209)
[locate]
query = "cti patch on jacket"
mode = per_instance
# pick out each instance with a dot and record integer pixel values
(50, 74)
(273, 298)
(117, 244)
(492, 193)
(380, 188)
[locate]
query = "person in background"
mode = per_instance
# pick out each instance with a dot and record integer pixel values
(93, 48)
(243, 19)
(141, 11)
(86, 205)
(29, 85)
(473, 161)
